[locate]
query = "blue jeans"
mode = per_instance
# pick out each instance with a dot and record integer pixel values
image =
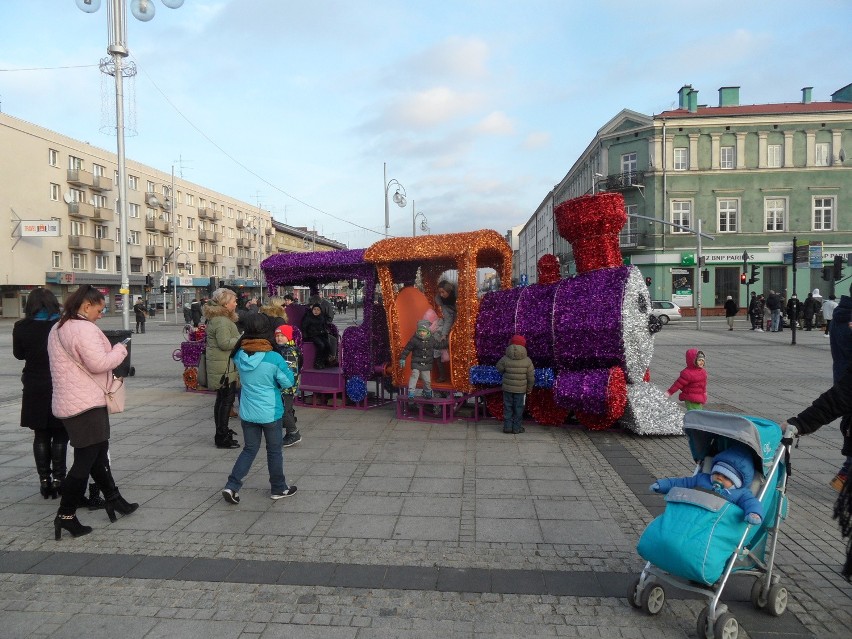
(272, 432)
(513, 410)
(776, 319)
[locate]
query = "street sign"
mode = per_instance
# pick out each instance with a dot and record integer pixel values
(780, 247)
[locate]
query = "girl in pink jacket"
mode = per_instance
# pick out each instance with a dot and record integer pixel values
(692, 382)
(81, 363)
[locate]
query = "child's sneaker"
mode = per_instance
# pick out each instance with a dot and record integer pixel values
(284, 493)
(231, 496)
(291, 439)
(838, 482)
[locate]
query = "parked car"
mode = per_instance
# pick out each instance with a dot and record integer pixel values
(665, 311)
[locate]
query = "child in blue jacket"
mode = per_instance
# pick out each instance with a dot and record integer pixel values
(730, 477)
(263, 374)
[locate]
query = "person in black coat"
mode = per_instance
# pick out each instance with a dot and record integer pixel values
(29, 343)
(139, 311)
(315, 329)
(195, 312)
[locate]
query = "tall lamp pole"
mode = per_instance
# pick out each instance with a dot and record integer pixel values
(117, 27)
(400, 199)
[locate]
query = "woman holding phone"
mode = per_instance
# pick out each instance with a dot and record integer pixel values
(81, 363)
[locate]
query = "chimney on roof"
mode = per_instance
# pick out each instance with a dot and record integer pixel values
(806, 94)
(729, 96)
(682, 99)
(693, 101)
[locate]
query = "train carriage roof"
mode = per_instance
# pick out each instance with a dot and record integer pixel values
(488, 247)
(289, 269)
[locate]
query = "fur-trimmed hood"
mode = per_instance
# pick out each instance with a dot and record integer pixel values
(212, 309)
(273, 310)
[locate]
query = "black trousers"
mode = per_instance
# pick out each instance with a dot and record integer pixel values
(91, 460)
(225, 397)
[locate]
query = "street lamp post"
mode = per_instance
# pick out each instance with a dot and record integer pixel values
(175, 258)
(117, 27)
(424, 223)
(400, 199)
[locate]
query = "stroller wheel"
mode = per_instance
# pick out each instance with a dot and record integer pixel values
(701, 628)
(633, 595)
(777, 603)
(726, 627)
(758, 597)
(653, 597)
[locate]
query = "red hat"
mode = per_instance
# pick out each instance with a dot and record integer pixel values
(286, 330)
(520, 340)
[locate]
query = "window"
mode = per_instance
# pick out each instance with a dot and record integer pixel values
(56, 259)
(204, 269)
(202, 203)
(151, 238)
(53, 157)
(133, 182)
(77, 195)
(101, 262)
(134, 237)
(135, 264)
(726, 157)
(190, 199)
(54, 192)
(179, 243)
(231, 212)
(179, 219)
(78, 261)
(681, 214)
(74, 164)
(150, 214)
(202, 226)
(190, 246)
(190, 268)
(100, 201)
(821, 154)
(775, 213)
(180, 197)
(149, 186)
(773, 156)
(681, 158)
(134, 210)
(205, 247)
(728, 210)
(190, 222)
(628, 167)
(230, 251)
(98, 170)
(153, 266)
(77, 228)
(101, 231)
(823, 213)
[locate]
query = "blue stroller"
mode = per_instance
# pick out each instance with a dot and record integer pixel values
(701, 538)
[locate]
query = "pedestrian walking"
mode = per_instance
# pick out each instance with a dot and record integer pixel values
(264, 373)
(794, 310)
(828, 312)
(731, 310)
(518, 379)
(808, 311)
(692, 382)
(140, 312)
(81, 363)
(773, 304)
(753, 313)
(195, 313)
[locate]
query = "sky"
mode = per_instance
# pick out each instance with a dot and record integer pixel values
(478, 107)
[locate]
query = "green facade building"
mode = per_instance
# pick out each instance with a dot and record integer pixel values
(754, 177)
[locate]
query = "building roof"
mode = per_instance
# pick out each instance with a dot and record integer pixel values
(784, 108)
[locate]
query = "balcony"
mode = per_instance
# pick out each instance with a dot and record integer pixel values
(104, 245)
(622, 181)
(207, 213)
(269, 230)
(244, 242)
(156, 224)
(210, 236)
(205, 257)
(155, 251)
(81, 209)
(79, 177)
(241, 223)
(243, 261)
(627, 240)
(84, 242)
(101, 183)
(102, 214)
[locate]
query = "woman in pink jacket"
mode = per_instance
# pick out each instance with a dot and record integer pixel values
(81, 363)
(692, 382)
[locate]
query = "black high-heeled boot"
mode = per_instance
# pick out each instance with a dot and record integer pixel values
(119, 503)
(94, 501)
(46, 488)
(56, 489)
(71, 524)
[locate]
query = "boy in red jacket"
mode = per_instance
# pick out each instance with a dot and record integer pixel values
(692, 382)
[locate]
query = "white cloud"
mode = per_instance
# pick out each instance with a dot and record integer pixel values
(495, 123)
(455, 57)
(537, 140)
(434, 106)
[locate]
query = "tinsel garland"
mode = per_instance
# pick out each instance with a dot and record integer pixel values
(191, 352)
(272, 290)
(190, 378)
(495, 324)
(592, 224)
(355, 343)
(544, 378)
(649, 412)
(596, 391)
(547, 269)
(198, 333)
(485, 376)
(543, 408)
(356, 389)
(494, 404)
(533, 320)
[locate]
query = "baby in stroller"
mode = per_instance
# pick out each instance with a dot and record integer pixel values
(730, 477)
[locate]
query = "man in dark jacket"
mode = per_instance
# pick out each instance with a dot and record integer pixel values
(518, 379)
(139, 311)
(195, 312)
(773, 303)
(731, 309)
(794, 310)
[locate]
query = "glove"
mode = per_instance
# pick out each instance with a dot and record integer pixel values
(402, 363)
(655, 487)
(790, 431)
(754, 519)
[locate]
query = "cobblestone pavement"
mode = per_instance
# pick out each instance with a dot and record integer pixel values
(403, 529)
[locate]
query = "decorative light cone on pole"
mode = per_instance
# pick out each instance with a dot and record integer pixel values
(400, 199)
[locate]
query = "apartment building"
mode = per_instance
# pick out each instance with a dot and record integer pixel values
(59, 195)
(754, 177)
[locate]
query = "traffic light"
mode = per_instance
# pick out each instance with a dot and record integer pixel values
(838, 267)
(162, 289)
(755, 274)
(827, 273)
(149, 281)
(170, 288)
(705, 276)
(743, 277)
(647, 281)
(211, 286)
